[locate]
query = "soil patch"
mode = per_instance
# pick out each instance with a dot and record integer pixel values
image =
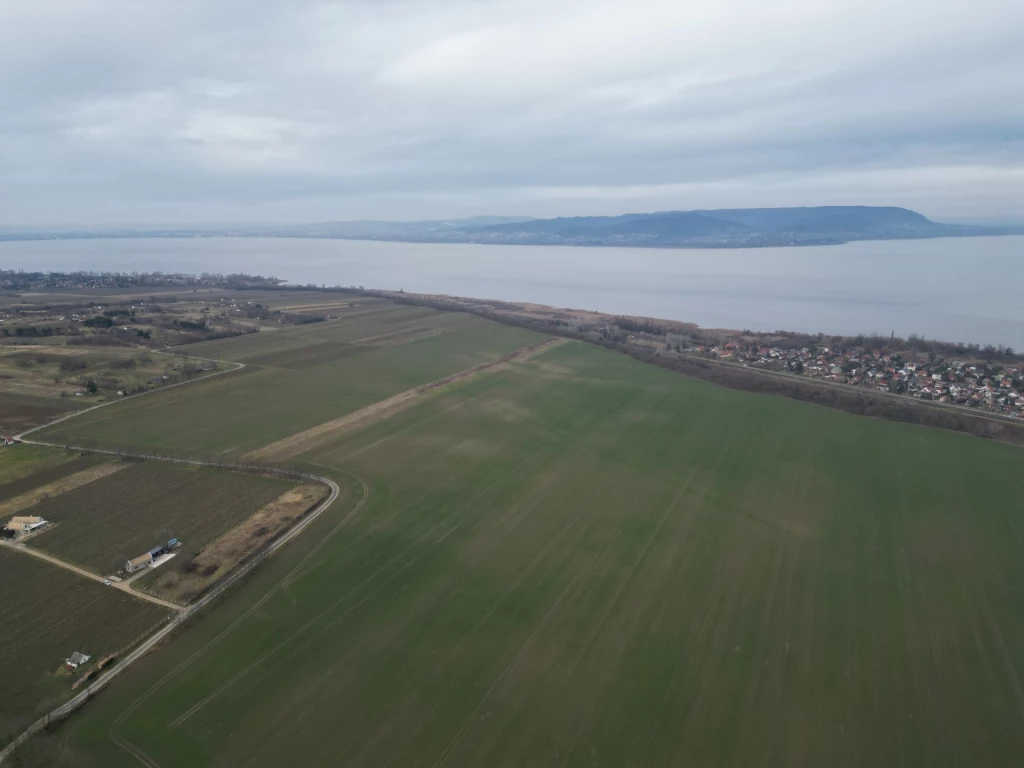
(49, 475)
(41, 493)
(301, 442)
(189, 580)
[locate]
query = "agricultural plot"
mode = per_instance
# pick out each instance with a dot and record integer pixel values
(19, 412)
(189, 579)
(315, 300)
(42, 382)
(103, 524)
(70, 464)
(49, 613)
(307, 355)
(88, 470)
(238, 412)
(366, 326)
(582, 560)
(47, 371)
(18, 461)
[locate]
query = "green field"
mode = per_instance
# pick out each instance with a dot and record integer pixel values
(104, 523)
(364, 326)
(237, 412)
(580, 560)
(47, 614)
(21, 461)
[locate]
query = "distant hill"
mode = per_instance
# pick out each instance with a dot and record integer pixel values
(728, 227)
(724, 228)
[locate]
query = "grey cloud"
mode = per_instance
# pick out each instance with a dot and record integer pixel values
(196, 111)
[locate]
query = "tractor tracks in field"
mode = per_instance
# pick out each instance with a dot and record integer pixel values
(282, 584)
(176, 619)
(301, 442)
(389, 570)
(180, 614)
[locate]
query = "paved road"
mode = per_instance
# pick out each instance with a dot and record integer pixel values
(179, 613)
(123, 586)
(108, 403)
(175, 619)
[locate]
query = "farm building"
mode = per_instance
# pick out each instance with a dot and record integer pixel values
(142, 561)
(139, 562)
(22, 525)
(76, 659)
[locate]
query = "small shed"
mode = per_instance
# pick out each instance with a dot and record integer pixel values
(139, 562)
(76, 659)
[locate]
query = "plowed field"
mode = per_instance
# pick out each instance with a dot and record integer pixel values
(101, 525)
(47, 614)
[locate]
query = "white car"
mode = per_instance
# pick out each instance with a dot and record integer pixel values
(107, 582)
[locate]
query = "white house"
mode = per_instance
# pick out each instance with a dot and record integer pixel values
(76, 659)
(22, 525)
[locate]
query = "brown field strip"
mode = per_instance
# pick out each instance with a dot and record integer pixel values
(341, 304)
(292, 446)
(190, 579)
(56, 488)
(47, 475)
(403, 336)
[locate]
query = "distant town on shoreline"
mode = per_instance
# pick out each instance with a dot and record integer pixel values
(983, 378)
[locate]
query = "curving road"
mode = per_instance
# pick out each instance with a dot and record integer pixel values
(180, 613)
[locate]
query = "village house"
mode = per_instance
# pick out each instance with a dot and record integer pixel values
(983, 386)
(76, 659)
(138, 563)
(146, 560)
(24, 525)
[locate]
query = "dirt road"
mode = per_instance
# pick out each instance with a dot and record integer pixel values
(180, 613)
(123, 586)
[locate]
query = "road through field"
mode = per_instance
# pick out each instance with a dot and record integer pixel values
(180, 613)
(584, 560)
(123, 586)
(183, 613)
(238, 367)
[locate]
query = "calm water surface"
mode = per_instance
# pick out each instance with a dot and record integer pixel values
(964, 289)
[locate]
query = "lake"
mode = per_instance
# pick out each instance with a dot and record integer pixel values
(956, 289)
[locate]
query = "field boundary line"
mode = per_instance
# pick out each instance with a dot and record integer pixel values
(90, 409)
(182, 614)
(300, 442)
(485, 309)
(252, 609)
(176, 619)
(32, 552)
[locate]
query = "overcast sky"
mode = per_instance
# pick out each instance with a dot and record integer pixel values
(192, 111)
